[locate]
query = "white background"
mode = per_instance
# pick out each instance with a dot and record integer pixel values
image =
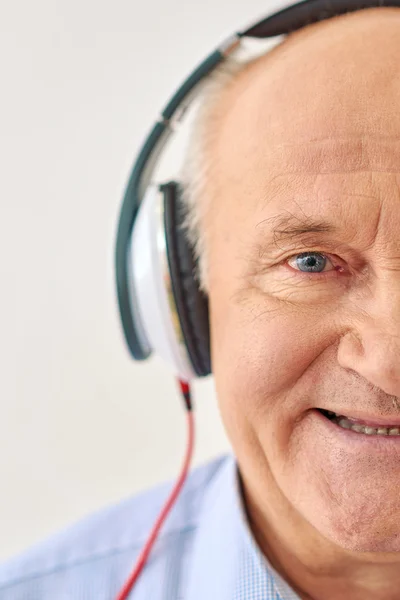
(81, 425)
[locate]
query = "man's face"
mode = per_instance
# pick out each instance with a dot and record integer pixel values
(304, 278)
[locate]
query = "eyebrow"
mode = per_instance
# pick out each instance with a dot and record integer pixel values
(289, 226)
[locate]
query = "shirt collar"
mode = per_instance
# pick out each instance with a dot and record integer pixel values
(226, 563)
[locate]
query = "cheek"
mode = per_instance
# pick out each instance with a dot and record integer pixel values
(349, 498)
(261, 356)
(261, 349)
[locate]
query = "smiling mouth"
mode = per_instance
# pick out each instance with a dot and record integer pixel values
(358, 426)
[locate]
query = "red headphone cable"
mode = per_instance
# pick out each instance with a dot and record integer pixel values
(141, 561)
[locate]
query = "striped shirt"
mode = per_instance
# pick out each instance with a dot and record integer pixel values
(205, 550)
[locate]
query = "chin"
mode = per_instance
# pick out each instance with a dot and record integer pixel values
(368, 541)
(358, 531)
(345, 485)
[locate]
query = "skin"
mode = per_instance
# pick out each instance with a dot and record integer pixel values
(312, 130)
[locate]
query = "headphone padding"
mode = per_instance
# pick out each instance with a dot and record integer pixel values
(191, 302)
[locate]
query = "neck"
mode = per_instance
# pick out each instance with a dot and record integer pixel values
(312, 565)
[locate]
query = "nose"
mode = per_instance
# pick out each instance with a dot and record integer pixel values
(373, 351)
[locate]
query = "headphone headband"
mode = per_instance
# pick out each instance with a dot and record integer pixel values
(290, 19)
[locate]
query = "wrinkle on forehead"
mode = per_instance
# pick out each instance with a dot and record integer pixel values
(338, 155)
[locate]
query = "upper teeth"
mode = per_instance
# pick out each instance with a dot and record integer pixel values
(346, 424)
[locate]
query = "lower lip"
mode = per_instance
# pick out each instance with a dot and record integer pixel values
(353, 437)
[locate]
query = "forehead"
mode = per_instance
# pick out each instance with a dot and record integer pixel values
(326, 98)
(351, 184)
(322, 130)
(296, 130)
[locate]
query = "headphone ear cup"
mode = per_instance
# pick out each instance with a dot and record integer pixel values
(191, 302)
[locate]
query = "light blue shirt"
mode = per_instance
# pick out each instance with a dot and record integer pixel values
(205, 550)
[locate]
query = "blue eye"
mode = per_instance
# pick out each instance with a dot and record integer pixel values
(309, 262)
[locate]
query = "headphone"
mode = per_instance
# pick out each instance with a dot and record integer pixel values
(162, 307)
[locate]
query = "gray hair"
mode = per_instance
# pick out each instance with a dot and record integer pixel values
(197, 166)
(197, 169)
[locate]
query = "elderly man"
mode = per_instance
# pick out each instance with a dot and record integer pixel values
(298, 223)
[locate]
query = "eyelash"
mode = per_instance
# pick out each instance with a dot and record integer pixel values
(335, 272)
